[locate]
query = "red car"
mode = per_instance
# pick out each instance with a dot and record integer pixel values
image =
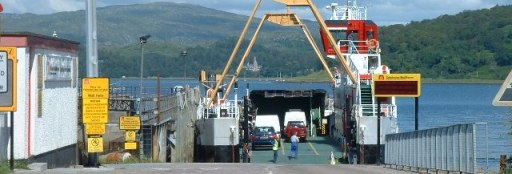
(296, 126)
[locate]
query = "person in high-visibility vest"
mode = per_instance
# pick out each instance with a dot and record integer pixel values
(275, 148)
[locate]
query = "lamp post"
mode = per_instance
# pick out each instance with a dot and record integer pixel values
(184, 54)
(143, 40)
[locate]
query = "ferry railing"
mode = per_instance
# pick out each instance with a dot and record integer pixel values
(348, 12)
(219, 109)
(357, 47)
(388, 110)
(451, 149)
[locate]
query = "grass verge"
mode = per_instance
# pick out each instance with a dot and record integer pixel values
(18, 164)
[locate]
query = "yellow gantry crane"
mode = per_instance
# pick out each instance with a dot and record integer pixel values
(285, 19)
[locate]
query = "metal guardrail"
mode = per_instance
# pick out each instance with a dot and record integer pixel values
(452, 148)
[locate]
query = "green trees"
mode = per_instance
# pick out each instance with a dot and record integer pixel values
(456, 46)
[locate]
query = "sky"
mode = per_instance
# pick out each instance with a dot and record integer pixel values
(383, 12)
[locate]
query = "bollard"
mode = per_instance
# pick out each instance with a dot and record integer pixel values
(503, 163)
(333, 162)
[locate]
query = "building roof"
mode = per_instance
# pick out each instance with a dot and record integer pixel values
(28, 39)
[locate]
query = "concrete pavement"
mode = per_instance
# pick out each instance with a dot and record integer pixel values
(223, 168)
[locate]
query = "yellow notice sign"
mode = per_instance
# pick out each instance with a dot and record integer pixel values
(95, 145)
(129, 122)
(8, 79)
(94, 88)
(129, 146)
(397, 85)
(130, 136)
(95, 129)
(95, 110)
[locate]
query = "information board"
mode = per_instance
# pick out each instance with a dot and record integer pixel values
(95, 88)
(95, 144)
(95, 110)
(8, 79)
(95, 129)
(129, 122)
(130, 136)
(396, 85)
(130, 146)
(3, 71)
(95, 94)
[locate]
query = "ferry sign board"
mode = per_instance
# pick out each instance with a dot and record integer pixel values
(94, 88)
(504, 95)
(95, 129)
(129, 123)
(95, 110)
(95, 94)
(95, 144)
(130, 136)
(129, 146)
(8, 79)
(3, 71)
(397, 85)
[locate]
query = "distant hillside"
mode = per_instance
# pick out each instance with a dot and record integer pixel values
(121, 25)
(470, 45)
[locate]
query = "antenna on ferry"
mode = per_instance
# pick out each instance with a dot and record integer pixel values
(346, 10)
(333, 7)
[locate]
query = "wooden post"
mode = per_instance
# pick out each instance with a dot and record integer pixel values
(503, 163)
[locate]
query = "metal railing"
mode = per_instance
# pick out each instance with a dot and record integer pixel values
(388, 110)
(357, 47)
(226, 109)
(452, 148)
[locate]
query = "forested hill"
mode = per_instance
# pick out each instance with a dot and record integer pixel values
(472, 44)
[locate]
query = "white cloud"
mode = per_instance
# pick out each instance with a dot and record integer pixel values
(384, 12)
(41, 6)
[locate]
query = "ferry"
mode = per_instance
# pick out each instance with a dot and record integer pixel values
(351, 121)
(217, 131)
(354, 123)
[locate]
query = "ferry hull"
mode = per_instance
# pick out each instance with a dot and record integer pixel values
(217, 154)
(217, 140)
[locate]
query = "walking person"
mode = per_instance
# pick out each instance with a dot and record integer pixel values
(275, 148)
(294, 150)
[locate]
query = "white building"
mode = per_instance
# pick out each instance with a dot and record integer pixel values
(45, 121)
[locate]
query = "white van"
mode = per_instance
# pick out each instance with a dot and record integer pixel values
(295, 115)
(268, 120)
